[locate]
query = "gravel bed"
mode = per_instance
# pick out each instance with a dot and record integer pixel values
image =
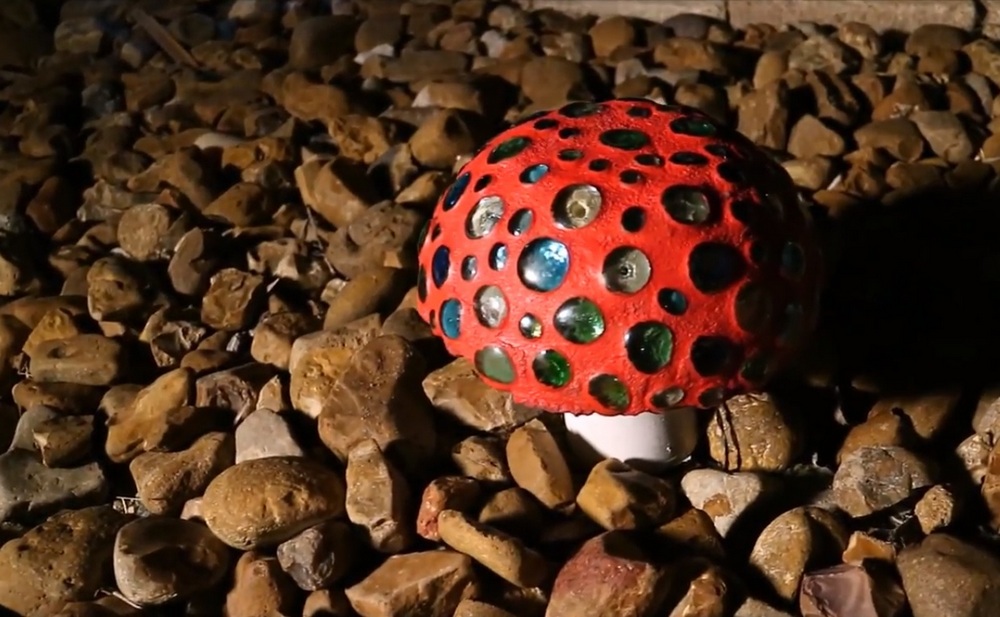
(219, 398)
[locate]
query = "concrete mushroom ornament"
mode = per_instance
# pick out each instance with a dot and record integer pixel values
(625, 263)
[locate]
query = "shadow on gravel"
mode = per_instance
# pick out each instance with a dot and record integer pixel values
(913, 291)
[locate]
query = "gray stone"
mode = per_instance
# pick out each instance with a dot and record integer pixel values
(29, 489)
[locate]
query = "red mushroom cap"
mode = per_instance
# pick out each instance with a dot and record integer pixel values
(620, 257)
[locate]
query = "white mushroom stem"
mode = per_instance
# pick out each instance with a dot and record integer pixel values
(648, 440)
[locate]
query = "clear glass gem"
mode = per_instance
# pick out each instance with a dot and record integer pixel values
(484, 216)
(498, 256)
(579, 320)
(520, 222)
(687, 204)
(470, 267)
(530, 326)
(576, 206)
(490, 306)
(543, 264)
(626, 270)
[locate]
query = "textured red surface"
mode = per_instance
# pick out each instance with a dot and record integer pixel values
(759, 209)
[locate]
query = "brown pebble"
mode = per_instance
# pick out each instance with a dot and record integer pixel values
(538, 466)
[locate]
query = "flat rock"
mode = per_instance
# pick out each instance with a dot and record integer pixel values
(265, 433)
(29, 489)
(425, 584)
(87, 359)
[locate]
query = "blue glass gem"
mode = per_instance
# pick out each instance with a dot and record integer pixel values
(543, 264)
(451, 318)
(534, 173)
(441, 265)
(455, 192)
(498, 256)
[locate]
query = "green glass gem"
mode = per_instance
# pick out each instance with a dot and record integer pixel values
(530, 326)
(507, 149)
(551, 368)
(609, 391)
(687, 204)
(624, 139)
(571, 154)
(579, 320)
(649, 345)
(669, 398)
(495, 364)
(697, 127)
